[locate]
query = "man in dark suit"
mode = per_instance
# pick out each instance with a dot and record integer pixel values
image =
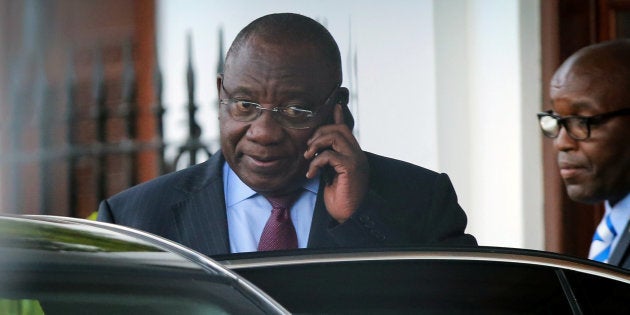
(286, 134)
(590, 124)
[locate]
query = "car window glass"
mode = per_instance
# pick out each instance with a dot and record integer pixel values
(598, 295)
(413, 287)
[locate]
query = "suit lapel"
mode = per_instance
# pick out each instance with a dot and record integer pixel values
(201, 220)
(319, 236)
(621, 250)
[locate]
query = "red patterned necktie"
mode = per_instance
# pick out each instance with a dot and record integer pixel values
(279, 232)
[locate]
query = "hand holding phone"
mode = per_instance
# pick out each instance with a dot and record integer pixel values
(335, 152)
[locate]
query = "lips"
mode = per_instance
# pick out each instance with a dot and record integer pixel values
(263, 163)
(263, 159)
(571, 169)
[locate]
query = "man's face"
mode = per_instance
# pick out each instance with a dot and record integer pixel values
(265, 155)
(598, 168)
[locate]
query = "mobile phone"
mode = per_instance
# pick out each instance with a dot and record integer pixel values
(328, 174)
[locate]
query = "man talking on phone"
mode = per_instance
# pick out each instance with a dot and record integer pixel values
(290, 174)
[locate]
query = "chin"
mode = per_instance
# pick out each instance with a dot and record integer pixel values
(273, 184)
(583, 195)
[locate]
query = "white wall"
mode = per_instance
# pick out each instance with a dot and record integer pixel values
(451, 85)
(488, 83)
(532, 194)
(396, 68)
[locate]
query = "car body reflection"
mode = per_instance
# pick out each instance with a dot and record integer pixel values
(56, 265)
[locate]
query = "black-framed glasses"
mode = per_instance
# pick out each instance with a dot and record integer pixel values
(294, 116)
(578, 127)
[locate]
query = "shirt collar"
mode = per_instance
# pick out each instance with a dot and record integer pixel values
(237, 191)
(621, 204)
(620, 213)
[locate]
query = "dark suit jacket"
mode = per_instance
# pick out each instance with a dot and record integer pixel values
(621, 255)
(406, 205)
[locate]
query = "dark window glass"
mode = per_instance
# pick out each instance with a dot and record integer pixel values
(597, 295)
(413, 287)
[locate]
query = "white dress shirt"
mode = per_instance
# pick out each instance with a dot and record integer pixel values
(619, 215)
(248, 212)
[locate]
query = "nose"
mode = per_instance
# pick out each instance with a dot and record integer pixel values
(564, 142)
(265, 130)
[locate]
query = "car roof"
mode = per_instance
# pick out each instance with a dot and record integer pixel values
(480, 253)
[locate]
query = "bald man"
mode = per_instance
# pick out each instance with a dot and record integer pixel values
(590, 125)
(290, 174)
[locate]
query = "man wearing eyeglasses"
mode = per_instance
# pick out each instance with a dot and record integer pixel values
(290, 174)
(590, 125)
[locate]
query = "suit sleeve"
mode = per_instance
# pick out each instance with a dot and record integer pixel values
(447, 220)
(105, 212)
(365, 227)
(412, 218)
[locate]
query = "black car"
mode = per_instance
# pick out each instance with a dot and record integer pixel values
(58, 265)
(482, 280)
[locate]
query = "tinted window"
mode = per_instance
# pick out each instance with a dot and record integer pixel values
(597, 295)
(413, 287)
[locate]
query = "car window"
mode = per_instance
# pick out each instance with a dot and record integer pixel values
(413, 287)
(599, 295)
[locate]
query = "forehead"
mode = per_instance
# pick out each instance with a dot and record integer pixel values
(262, 65)
(585, 88)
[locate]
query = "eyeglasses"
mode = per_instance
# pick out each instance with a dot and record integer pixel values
(578, 127)
(294, 116)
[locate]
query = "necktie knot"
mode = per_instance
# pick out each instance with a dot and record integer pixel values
(282, 202)
(279, 232)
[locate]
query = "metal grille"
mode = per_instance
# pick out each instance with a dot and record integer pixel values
(75, 145)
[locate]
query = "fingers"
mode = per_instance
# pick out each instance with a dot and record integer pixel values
(320, 161)
(340, 163)
(338, 114)
(333, 145)
(337, 137)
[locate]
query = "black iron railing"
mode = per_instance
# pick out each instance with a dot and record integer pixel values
(86, 144)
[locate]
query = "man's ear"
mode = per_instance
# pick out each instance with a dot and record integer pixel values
(343, 96)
